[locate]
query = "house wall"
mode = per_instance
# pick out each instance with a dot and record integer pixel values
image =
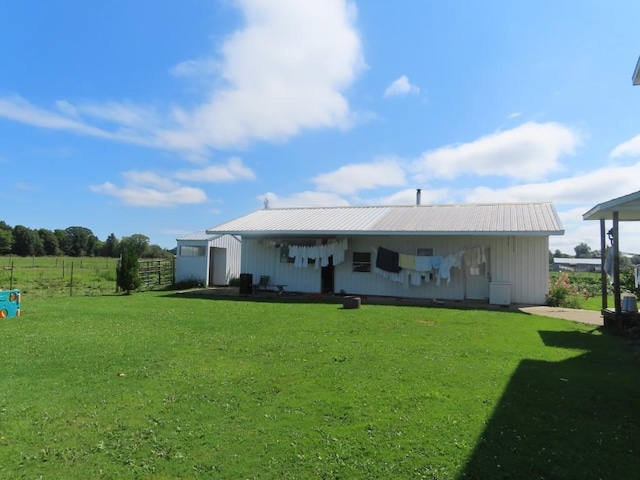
(521, 261)
(197, 268)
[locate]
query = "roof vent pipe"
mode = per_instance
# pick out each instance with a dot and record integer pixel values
(418, 195)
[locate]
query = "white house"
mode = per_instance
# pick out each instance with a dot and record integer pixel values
(494, 252)
(211, 259)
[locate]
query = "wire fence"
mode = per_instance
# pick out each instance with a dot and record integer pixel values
(71, 276)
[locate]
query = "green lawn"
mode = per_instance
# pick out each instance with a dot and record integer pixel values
(157, 385)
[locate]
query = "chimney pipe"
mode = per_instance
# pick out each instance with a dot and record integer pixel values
(418, 195)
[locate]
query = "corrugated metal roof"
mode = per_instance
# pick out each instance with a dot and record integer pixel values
(628, 208)
(202, 235)
(466, 219)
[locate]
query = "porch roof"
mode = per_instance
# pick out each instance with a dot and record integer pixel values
(628, 208)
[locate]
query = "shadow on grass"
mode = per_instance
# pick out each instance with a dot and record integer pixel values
(576, 418)
(337, 299)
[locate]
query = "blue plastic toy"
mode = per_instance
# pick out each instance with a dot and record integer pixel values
(9, 303)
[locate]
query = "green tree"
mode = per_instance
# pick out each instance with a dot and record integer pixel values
(128, 274)
(26, 242)
(63, 240)
(137, 242)
(156, 251)
(82, 241)
(6, 241)
(110, 247)
(49, 242)
(583, 251)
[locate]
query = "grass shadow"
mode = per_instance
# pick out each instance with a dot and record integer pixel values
(315, 298)
(575, 418)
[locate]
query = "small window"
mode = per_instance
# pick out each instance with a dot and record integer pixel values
(425, 252)
(192, 251)
(361, 262)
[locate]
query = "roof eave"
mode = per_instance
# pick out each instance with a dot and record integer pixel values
(300, 233)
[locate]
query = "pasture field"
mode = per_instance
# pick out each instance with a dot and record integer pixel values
(162, 385)
(73, 276)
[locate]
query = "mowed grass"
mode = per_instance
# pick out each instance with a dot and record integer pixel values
(157, 385)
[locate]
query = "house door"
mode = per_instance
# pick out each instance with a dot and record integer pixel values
(217, 266)
(477, 276)
(327, 276)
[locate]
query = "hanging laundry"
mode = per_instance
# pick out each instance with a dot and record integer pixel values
(387, 260)
(407, 261)
(423, 263)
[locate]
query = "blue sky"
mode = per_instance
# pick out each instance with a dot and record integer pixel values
(164, 118)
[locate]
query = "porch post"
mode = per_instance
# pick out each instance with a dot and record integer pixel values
(603, 274)
(616, 268)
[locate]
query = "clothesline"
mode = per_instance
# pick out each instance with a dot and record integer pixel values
(319, 253)
(414, 269)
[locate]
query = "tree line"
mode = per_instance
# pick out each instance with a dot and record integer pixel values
(73, 242)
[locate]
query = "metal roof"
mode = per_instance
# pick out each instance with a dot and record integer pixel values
(628, 208)
(577, 261)
(198, 236)
(466, 219)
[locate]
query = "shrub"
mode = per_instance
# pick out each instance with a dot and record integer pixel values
(563, 293)
(128, 271)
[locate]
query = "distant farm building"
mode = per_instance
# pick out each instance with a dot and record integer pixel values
(577, 264)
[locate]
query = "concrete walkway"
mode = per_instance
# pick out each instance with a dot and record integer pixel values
(590, 317)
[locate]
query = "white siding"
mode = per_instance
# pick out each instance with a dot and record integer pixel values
(192, 268)
(198, 268)
(522, 261)
(259, 258)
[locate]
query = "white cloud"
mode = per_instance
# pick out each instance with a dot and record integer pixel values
(18, 109)
(400, 86)
(587, 188)
(514, 115)
(304, 199)
(147, 189)
(358, 176)
(196, 68)
(629, 148)
(233, 170)
(527, 152)
(122, 114)
(283, 72)
(579, 231)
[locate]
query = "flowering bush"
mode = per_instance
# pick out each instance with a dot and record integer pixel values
(563, 293)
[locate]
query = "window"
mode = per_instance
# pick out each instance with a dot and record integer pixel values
(425, 252)
(361, 262)
(192, 251)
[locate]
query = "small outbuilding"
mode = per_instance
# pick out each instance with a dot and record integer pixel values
(211, 259)
(497, 253)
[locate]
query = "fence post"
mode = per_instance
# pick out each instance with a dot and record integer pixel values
(11, 277)
(71, 282)
(117, 269)
(62, 268)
